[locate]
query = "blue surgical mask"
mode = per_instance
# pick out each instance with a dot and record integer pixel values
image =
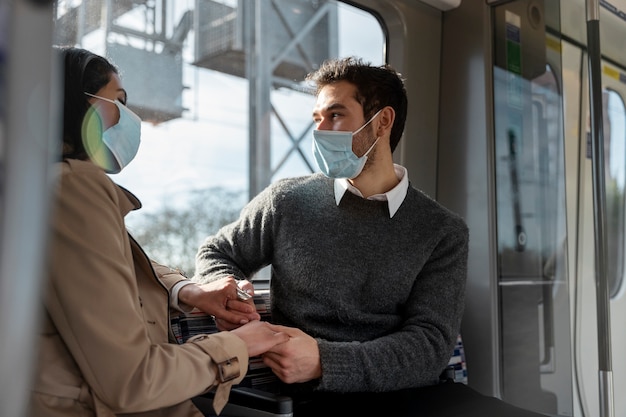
(332, 150)
(123, 138)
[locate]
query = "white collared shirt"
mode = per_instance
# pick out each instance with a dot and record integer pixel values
(393, 197)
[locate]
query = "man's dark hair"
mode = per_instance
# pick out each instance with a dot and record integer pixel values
(376, 87)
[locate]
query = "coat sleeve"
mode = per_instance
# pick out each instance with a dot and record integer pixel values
(93, 300)
(174, 280)
(168, 276)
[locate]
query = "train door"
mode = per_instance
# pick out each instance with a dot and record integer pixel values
(530, 214)
(509, 173)
(580, 209)
(521, 177)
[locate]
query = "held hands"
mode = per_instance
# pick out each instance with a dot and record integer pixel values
(260, 336)
(219, 299)
(291, 354)
(298, 360)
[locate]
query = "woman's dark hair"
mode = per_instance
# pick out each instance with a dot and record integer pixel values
(84, 72)
(376, 87)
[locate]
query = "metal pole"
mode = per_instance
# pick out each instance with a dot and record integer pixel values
(28, 131)
(260, 78)
(599, 203)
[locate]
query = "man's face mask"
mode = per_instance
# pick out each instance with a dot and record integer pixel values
(332, 150)
(123, 138)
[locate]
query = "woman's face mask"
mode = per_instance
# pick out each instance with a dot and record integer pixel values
(332, 150)
(123, 138)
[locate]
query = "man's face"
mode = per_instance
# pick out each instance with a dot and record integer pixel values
(337, 109)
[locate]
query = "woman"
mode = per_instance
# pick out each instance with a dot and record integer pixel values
(105, 342)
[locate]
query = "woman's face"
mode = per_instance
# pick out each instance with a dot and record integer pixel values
(108, 112)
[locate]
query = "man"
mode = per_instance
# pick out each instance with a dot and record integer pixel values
(369, 271)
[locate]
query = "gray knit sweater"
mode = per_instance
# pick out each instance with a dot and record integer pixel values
(383, 296)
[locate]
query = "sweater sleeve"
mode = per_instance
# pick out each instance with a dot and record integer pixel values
(241, 248)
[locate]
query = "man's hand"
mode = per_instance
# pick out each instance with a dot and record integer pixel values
(297, 360)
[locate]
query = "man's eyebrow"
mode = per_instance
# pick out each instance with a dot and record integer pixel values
(336, 106)
(333, 106)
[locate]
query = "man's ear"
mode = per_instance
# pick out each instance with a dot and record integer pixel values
(385, 121)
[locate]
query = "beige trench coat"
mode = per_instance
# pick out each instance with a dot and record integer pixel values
(105, 341)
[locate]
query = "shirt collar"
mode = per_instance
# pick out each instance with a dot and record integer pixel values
(393, 197)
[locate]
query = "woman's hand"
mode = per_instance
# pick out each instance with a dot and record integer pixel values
(219, 299)
(259, 336)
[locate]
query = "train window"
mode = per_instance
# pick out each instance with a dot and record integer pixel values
(220, 89)
(615, 163)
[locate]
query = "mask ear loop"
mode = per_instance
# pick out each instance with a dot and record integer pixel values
(377, 137)
(371, 147)
(101, 98)
(368, 122)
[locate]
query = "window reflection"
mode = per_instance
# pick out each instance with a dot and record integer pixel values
(531, 235)
(530, 213)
